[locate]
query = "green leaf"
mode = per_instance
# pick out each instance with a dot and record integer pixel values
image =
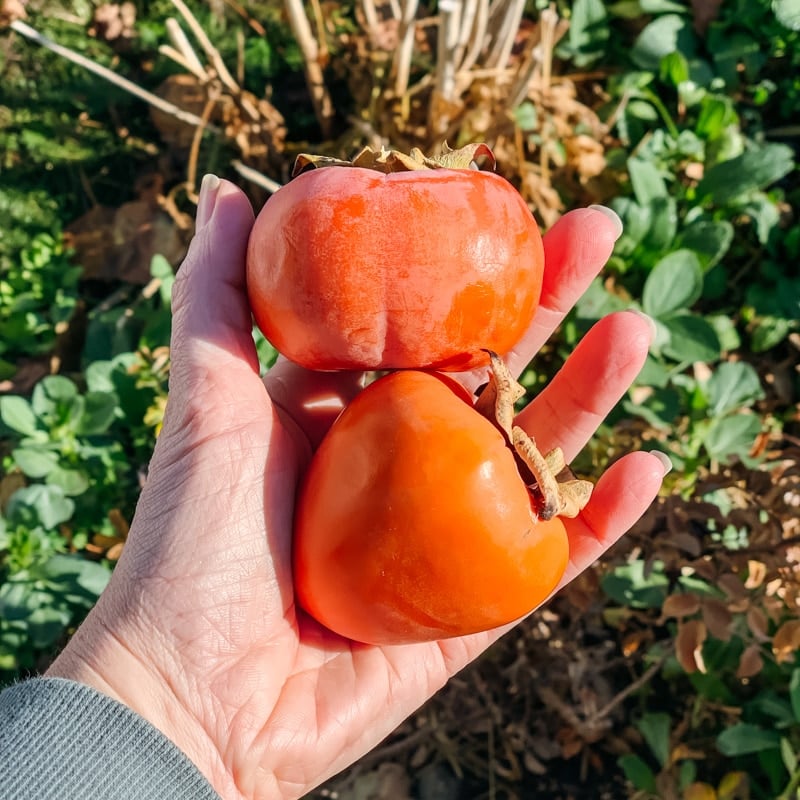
(43, 404)
(654, 728)
(15, 601)
(161, 268)
(642, 110)
(709, 241)
(737, 54)
(267, 354)
(653, 373)
(661, 408)
(58, 388)
(35, 463)
(46, 624)
(597, 302)
(675, 283)
(72, 482)
(733, 385)
(635, 224)
(526, 116)
(674, 68)
(49, 503)
(752, 170)
(773, 705)
(794, 693)
(98, 413)
(725, 329)
(664, 224)
(664, 35)
(630, 585)
(716, 115)
(765, 215)
(787, 12)
(731, 436)
(691, 339)
(16, 412)
(634, 9)
(662, 7)
(788, 755)
(769, 332)
(7, 369)
(638, 773)
(87, 575)
(100, 375)
(588, 31)
(627, 9)
(646, 180)
(687, 774)
(745, 738)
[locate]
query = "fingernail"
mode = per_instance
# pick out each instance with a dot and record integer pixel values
(664, 459)
(651, 323)
(613, 216)
(207, 200)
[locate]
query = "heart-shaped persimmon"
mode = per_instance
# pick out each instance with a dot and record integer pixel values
(415, 521)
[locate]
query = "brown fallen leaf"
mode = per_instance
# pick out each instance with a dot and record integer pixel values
(718, 618)
(750, 662)
(786, 641)
(689, 645)
(680, 605)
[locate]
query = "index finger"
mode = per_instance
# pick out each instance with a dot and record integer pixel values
(576, 248)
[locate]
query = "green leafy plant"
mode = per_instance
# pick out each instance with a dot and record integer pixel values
(38, 295)
(60, 432)
(44, 590)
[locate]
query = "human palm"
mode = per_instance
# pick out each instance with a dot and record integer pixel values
(198, 630)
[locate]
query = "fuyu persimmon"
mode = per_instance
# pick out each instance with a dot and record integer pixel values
(365, 267)
(414, 521)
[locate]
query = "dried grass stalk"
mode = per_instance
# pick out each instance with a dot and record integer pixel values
(320, 97)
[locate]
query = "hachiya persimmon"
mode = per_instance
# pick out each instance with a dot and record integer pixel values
(394, 262)
(424, 517)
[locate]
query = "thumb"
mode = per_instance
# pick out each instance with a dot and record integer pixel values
(219, 419)
(214, 372)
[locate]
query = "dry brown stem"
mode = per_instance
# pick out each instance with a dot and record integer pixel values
(320, 97)
(129, 86)
(558, 498)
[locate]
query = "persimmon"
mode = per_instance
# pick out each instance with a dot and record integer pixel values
(393, 261)
(424, 517)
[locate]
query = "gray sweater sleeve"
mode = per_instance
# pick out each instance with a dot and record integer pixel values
(61, 740)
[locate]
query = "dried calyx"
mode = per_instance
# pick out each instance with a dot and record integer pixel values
(561, 494)
(386, 161)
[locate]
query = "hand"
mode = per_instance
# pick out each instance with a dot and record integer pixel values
(198, 631)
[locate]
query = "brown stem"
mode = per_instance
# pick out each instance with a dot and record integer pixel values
(559, 498)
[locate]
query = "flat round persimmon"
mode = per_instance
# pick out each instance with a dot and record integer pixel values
(351, 268)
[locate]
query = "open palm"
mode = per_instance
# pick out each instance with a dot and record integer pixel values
(198, 630)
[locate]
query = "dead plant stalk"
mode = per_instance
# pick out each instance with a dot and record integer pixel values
(33, 35)
(320, 97)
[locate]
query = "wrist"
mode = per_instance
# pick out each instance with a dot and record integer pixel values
(103, 660)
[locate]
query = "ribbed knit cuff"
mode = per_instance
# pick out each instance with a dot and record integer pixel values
(61, 740)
